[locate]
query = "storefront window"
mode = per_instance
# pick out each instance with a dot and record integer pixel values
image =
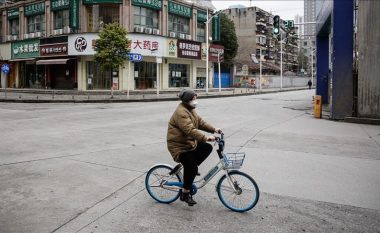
(36, 23)
(179, 24)
(61, 19)
(201, 31)
(99, 15)
(179, 75)
(14, 27)
(145, 74)
(145, 17)
(96, 78)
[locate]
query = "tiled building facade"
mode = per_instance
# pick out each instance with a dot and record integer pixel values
(49, 44)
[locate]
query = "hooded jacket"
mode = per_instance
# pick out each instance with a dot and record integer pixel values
(183, 131)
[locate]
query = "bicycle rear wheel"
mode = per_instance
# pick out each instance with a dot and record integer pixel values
(246, 195)
(155, 179)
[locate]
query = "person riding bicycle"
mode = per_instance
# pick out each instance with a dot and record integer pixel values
(186, 143)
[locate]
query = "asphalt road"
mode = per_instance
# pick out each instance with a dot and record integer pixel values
(81, 168)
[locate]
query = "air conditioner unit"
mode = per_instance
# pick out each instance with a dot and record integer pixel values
(66, 30)
(14, 37)
(31, 35)
(156, 32)
(59, 31)
(148, 30)
(38, 34)
(26, 36)
(188, 37)
(139, 29)
(172, 34)
(9, 37)
(182, 36)
(55, 32)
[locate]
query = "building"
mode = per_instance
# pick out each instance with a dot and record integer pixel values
(308, 39)
(49, 44)
(254, 31)
(347, 59)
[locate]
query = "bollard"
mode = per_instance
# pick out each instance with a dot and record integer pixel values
(318, 106)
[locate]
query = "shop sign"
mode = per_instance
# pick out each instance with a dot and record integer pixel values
(147, 45)
(202, 16)
(35, 9)
(213, 53)
(74, 14)
(13, 14)
(53, 49)
(216, 28)
(181, 10)
(91, 2)
(172, 48)
(59, 5)
(82, 44)
(189, 49)
(154, 4)
(25, 49)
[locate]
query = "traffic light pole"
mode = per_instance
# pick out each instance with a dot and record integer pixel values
(280, 60)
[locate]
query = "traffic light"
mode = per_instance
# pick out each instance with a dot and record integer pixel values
(276, 25)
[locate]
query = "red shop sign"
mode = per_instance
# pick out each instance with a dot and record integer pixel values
(53, 49)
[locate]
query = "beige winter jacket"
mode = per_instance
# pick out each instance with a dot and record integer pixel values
(183, 131)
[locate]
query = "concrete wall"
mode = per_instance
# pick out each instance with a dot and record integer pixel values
(369, 65)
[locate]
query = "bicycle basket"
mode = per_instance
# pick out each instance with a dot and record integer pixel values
(234, 160)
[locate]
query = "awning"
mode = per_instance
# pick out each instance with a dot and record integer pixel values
(52, 61)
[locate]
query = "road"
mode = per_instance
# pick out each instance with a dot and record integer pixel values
(81, 167)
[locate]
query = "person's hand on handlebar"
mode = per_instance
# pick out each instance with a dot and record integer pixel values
(218, 130)
(210, 138)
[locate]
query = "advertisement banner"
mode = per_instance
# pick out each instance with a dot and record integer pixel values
(74, 14)
(172, 47)
(82, 44)
(189, 49)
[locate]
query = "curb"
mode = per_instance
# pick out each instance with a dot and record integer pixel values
(201, 96)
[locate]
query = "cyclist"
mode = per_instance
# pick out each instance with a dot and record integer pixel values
(186, 143)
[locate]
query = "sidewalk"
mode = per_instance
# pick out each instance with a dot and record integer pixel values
(72, 96)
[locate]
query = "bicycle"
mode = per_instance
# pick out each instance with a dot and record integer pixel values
(236, 190)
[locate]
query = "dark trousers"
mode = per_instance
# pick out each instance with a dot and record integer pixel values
(191, 160)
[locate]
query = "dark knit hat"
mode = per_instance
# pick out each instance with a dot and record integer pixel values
(187, 95)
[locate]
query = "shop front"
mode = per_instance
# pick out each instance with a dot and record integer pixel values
(58, 69)
(8, 80)
(24, 54)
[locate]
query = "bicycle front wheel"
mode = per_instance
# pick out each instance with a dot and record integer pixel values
(155, 181)
(241, 194)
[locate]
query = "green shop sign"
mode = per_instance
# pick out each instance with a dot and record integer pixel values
(181, 10)
(202, 16)
(25, 49)
(35, 9)
(91, 2)
(155, 4)
(74, 14)
(13, 14)
(59, 5)
(216, 28)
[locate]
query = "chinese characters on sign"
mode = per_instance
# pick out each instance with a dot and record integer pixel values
(155, 4)
(180, 9)
(26, 48)
(35, 9)
(189, 49)
(145, 44)
(59, 4)
(53, 50)
(214, 51)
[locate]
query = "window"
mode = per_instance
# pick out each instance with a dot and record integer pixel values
(201, 32)
(145, 75)
(36, 23)
(305, 43)
(99, 15)
(145, 17)
(96, 77)
(61, 19)
(179, 75)
(179, 24)
(14, 27)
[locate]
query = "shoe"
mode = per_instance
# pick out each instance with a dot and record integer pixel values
(188, 198)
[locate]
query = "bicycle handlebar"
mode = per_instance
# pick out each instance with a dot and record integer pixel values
(221, 143)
